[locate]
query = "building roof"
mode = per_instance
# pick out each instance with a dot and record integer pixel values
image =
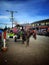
(46, 20)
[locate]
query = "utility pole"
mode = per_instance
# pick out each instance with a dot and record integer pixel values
(12, 19)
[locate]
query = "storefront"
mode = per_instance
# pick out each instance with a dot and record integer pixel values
(41, 23)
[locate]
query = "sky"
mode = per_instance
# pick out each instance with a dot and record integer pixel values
(28, 11)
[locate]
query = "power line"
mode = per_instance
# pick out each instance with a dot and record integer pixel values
(12, 19)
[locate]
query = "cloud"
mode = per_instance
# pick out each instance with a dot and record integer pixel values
(4, 17)
(28, 10)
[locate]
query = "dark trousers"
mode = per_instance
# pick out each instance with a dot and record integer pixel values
(27, 40)
(23, 39)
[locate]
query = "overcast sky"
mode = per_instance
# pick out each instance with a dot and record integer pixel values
(27, 10)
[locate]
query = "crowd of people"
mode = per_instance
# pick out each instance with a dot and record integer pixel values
(25, 35)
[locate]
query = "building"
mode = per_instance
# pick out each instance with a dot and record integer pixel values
(41, 24)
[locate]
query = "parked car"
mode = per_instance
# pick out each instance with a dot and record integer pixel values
(41, 32)
(47, 33)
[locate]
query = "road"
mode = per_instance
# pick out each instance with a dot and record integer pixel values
(37, 53)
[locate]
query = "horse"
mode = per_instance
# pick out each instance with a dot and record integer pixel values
(26, 36)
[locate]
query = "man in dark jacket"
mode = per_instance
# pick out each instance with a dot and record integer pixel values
(23, 36)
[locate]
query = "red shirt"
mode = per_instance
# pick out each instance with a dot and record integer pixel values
(4, 34)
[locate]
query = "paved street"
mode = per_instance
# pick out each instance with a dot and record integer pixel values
(37, 53)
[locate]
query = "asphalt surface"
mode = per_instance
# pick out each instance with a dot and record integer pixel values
(37, 53)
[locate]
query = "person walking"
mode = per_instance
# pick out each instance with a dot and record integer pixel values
(27, 37)
(34, 34)
(23, 36)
